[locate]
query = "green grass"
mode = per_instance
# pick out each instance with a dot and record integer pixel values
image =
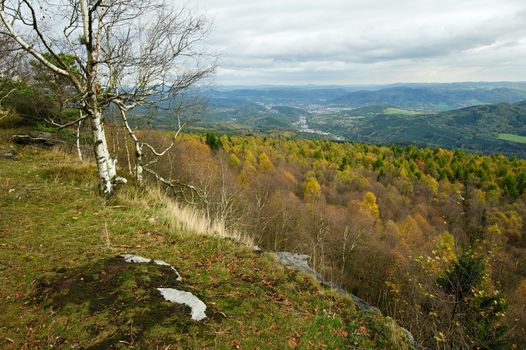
(512, 138)
(399, 111)
(63, 287)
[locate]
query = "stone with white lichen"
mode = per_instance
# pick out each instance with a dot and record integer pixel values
(186, 298)
(131, 258)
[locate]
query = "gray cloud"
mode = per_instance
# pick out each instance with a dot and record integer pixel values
(367, 41)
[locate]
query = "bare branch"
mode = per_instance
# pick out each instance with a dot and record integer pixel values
(158, 154)
(175, 184)
(63, 126)
(6, 96)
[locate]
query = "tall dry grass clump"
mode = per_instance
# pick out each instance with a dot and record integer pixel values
(186, 218)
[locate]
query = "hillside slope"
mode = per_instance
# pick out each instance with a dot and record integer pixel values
(474, 128)
(63, 285)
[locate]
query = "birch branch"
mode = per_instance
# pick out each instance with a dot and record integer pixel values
(78, 140)
(158, 154)
(6, 96)
(174, 184)
(28, 48)
(63, 126)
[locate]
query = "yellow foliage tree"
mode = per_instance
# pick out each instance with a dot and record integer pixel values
(265, 163)
(235, 161)
(369, 199)
(312, 189)
(445, 248)
(246, 172)
(291, 178)
(249, 157)
(430, 183)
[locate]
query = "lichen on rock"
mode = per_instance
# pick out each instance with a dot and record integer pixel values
(131, 258)
(181, 297)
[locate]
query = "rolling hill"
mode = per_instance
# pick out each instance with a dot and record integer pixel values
(474, 128)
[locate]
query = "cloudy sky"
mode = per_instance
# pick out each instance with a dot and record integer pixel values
(367, 41)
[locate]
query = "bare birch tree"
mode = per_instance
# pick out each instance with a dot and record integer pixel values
(128, 53)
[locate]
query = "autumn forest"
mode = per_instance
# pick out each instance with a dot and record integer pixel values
(434, 237)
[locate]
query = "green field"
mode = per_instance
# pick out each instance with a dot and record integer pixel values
(512, 138)
(399, 111)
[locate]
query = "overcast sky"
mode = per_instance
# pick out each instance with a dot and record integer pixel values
(367, 41)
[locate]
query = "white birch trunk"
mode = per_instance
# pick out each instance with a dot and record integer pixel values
(139, 171)
(79, 152)
(139, 177)
(130, 171)
(105, 164)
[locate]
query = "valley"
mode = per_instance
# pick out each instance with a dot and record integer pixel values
(474, 117)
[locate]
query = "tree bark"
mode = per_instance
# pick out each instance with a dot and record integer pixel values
(105, 163)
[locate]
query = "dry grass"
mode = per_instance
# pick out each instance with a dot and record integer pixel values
(67, 168)
(185, 218)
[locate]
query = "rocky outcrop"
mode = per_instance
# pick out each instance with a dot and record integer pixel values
(31, 140)
(300, 262)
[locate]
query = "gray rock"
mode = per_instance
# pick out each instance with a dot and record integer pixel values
(300, 262)
(118, 180)
(30, 140)
(41, 134)
(20, 194)
(257, 249)
(409, 336)
(181, 297)
(7, 154)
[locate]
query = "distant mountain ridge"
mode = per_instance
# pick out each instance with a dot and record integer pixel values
(278, 95)
(430, 99)
(422, 97)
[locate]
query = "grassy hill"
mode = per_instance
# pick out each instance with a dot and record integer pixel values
(64, 287)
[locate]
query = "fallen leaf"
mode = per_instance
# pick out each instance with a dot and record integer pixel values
(342, 332)
(362, 330)
(294, 341)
